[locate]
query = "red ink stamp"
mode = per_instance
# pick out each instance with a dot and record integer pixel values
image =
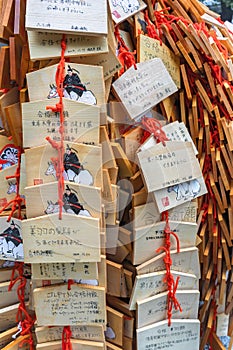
(165, 201)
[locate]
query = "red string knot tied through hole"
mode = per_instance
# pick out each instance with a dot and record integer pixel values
(172, 285)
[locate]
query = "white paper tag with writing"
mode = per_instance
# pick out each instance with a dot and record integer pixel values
(182, 335)
(123, 9)
(142, 88)
(222, 325)
(73, 17)
(175, 195)
(168, 165)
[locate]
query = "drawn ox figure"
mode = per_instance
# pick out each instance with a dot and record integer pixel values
(83, 178)
(128, 6)
(185, 190)
(54, 208)
(87, 96)
(12, 188)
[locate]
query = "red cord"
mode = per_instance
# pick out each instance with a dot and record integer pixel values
(169, 279)
(66, 335)
(59, 108)
(22, 316)
(154, 127)
(125, 56)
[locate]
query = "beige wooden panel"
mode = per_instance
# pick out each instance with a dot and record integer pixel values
(148, 239)
(43, 199)
(153, 283)
(43, 45)
(78, 17)
(64, 271)
(76, 345)
(188, 337)
(82, 305)
(81, 120)
(154, 309)
(72, 239)
(49, 334)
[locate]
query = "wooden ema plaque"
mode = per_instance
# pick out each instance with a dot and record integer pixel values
(93, 333)
(153, 283)
(173, 163)
(154, 309)
(81, 120)
(89, 82)
(72, 239)
(87, 169)
(152, 237)
(80, 200)
(76, 345)
(45, 44)
(82, 305)
(78, 17)
(181, 335)
(64, 271)
(187, 260)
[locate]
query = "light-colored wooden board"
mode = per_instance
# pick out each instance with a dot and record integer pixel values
(154, 309)
(149, 336)
(38, 123)
(89, 156)
(76, 345)
(139, 92)
(79, 18)
(8, 187)
(6, 337)
(151, 284)
(48, 239)
(150, 238)
(173, 163)
(115, 327)
(49, 334)
(15, 344)
(91, 77)
(82, 305)
(7, 297)
(44, 45)
(8, 317)
(77, 199)
(151, 48)
(64, 271)
(186, 260)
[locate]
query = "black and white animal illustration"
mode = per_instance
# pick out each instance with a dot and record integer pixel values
(54, 208)
(185, 190)
(87, 96)
(128, 6)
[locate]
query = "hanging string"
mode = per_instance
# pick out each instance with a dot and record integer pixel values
(66, 337)
(59, 108)
(22, 316)
(151, 29)
(172, 285)
(18, 201)
(125, 56)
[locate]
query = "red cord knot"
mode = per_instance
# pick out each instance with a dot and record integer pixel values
(70, 283)
(155, 128)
